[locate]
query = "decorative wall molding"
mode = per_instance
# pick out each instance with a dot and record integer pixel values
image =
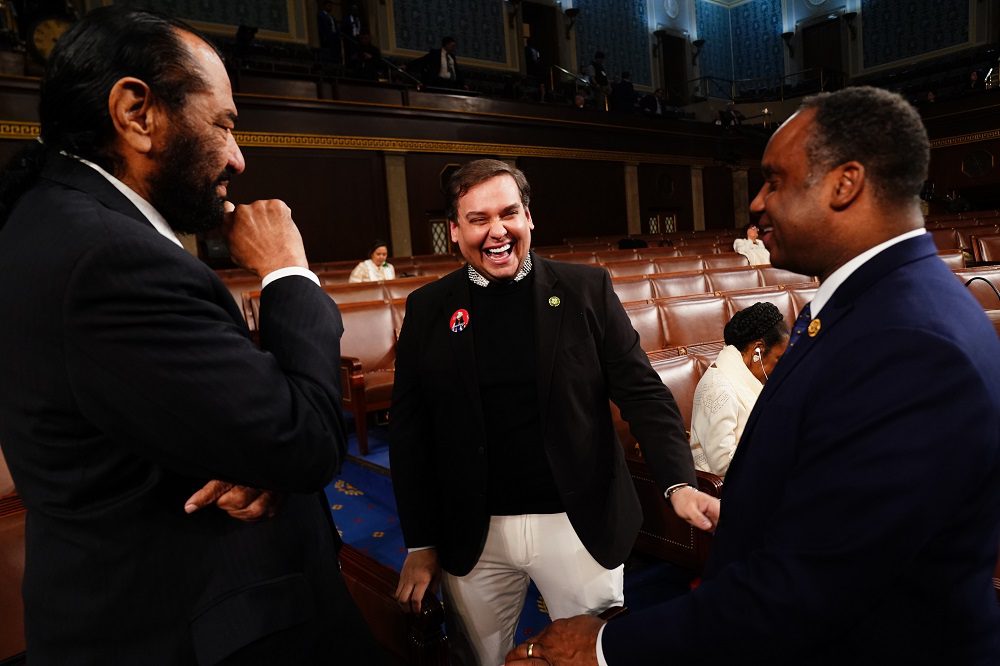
(961, 139)
(503, 150)
(14, 130)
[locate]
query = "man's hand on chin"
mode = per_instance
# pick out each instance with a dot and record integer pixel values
(569, 642)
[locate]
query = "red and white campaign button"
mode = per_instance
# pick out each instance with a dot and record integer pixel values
(459, 321)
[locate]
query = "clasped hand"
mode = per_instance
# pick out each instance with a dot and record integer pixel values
(240, 502)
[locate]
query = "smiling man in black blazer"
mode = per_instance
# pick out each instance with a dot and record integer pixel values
(504, 458)
(132, 397)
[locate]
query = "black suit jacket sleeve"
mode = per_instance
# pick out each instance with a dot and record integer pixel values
(411, 448)
(645, 403)
(152, 363)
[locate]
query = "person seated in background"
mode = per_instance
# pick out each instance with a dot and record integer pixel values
(375, 268)
(655, 103)
(752, 247)
(365, 59)
(730, 117)
(756, 338)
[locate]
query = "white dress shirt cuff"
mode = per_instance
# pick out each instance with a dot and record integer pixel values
(600, 650)
(285, 272)
(413, 550)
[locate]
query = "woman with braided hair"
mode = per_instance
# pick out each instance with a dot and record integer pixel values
(755, 338)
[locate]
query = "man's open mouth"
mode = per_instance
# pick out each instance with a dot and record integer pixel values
(499, 253)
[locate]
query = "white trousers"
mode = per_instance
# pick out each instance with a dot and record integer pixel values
(483, 606)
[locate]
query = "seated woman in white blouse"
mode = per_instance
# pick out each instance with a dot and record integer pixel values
(752, 247)
(375, 268)
(755, 339)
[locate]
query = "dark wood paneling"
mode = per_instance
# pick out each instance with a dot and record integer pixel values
(718, 189)
(425, 194)
(666, 188)
(755, 181)
(980, 186)
(575, 198)
(338, 198)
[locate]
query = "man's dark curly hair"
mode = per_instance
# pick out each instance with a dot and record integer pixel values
(476, 172)
(760, 321)
(879, 129)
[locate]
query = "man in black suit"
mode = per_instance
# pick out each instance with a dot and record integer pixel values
(503, 454)
(133, 399)
(438, 67)
(862, 507)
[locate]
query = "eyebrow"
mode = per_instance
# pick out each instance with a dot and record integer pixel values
(512, 208)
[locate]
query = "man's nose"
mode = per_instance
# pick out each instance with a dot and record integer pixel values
(757, 205)
(498, 229)
(235, 159)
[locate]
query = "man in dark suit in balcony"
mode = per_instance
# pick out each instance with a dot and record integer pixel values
(439, 67)
(131, 386)
(862, 508)
(504, 457)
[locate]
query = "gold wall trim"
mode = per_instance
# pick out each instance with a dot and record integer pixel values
(11, 129)
(975, 137)
(27, 131)
(333, 142)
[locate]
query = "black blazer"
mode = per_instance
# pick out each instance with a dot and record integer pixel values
(428, 66)
(587, 353)
(129, 381)
(861, 512)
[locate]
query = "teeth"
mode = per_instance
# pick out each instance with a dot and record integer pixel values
(499, 250)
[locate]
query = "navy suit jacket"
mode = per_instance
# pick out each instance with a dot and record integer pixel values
(861, 514)
(129, 381)
(587, 352)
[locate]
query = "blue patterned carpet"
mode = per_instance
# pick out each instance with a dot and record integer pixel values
(364, 509)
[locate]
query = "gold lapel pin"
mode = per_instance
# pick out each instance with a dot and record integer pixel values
(554, 301)
(814, 327)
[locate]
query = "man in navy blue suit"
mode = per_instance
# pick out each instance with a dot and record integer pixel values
(862, 509)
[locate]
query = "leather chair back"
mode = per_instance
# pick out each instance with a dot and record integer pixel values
(680, 284)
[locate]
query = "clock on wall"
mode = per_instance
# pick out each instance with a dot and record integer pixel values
(43, 33)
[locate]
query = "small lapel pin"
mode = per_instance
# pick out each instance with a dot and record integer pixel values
(459, 321)
(814, 327)
(554, 301)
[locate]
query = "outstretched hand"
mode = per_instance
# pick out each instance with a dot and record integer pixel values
(569, 642)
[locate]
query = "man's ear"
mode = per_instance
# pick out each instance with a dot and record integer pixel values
(133, 114)
(453, 227)
(527, 215)
(849, 183)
